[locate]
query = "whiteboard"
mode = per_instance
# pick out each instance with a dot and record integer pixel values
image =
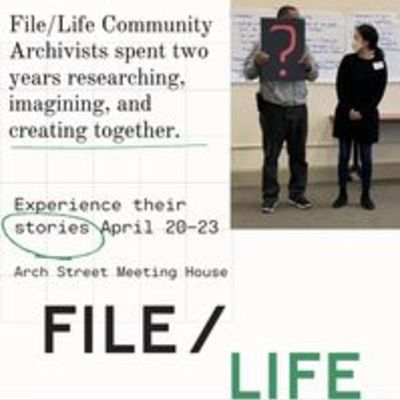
(329, 36)
(326, 40)
(245, 32)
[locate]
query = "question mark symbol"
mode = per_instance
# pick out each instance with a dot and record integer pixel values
(284, 54)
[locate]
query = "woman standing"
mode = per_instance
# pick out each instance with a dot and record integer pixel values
(361, 84)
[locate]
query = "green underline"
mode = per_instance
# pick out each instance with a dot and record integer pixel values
(95, 148)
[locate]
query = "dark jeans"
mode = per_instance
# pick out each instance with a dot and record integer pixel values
(365, 154)
(280, 125)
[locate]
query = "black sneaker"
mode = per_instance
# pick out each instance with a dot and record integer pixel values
(269, 206)
(300, 202)
(341, 201)
(367, 203)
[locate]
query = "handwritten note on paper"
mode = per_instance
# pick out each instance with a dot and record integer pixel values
(245, 33)
(326, 39)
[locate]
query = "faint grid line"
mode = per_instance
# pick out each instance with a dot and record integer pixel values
(186, 187)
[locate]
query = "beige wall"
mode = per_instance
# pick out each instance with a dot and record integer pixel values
(322, 100)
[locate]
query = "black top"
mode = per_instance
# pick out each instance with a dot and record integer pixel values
(360, 85)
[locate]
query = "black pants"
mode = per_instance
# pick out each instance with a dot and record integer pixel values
(365, 154)
(280, 124)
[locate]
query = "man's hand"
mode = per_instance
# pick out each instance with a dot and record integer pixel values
(355, 115)
(261, 58)
(306, 60)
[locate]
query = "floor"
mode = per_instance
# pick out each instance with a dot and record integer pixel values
(386, 194)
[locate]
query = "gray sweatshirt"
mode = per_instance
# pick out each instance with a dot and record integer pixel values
(280, 93)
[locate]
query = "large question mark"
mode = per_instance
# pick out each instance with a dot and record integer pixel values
(283, 56)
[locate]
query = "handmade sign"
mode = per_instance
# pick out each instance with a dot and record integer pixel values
(284, 41)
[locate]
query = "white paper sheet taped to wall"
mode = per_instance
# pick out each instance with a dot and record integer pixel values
(245, 32)
(326, 39)
(329, 36)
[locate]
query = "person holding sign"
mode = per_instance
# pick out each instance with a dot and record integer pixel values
(282, 102)
(361, 84)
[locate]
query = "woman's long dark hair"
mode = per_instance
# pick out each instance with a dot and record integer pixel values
(371, 35)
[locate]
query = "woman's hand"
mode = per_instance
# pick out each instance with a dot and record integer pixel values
(355, 115)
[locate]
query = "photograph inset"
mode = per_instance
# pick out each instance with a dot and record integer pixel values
(316, 115)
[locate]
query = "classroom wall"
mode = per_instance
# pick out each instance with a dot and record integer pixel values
(322, 150)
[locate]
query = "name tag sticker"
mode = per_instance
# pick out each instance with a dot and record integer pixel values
(379, 65)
